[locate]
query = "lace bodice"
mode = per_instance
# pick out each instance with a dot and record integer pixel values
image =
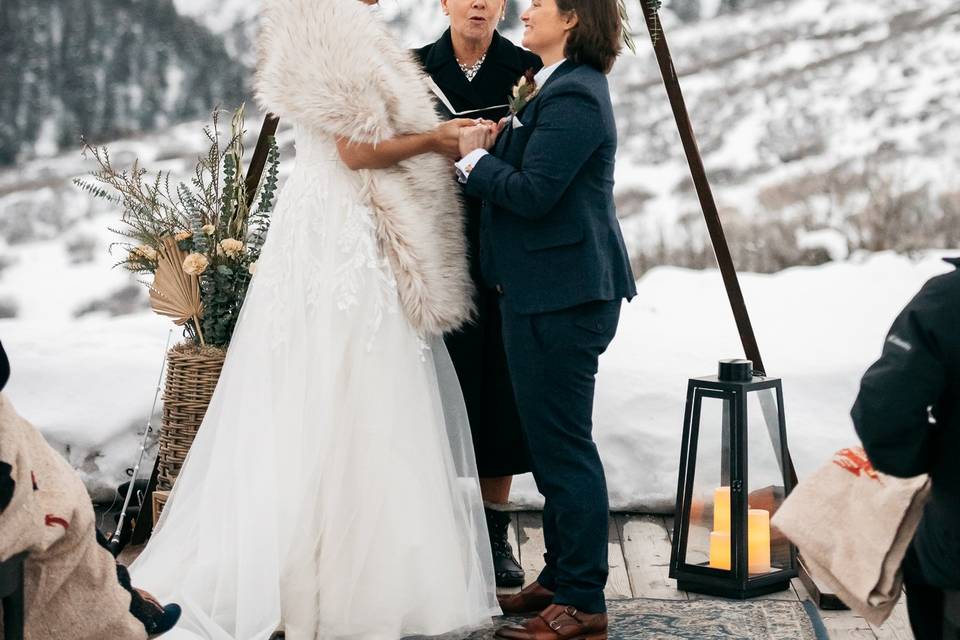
(324, 232)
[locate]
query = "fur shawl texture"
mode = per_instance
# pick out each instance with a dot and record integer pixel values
(332, 67)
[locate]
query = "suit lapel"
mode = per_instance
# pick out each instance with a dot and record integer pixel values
(504, 141)
(565, 68)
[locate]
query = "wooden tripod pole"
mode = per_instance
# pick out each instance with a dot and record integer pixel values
(821, 595)
(704, 193)
(259, 160)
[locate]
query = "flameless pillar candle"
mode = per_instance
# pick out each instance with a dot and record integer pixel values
(720, 550)
(721, 510)
(758, 541)
(758, 535)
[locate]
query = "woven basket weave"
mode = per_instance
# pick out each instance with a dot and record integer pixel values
(192, 375)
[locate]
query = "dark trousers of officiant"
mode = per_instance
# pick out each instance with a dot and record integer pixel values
(554, 358)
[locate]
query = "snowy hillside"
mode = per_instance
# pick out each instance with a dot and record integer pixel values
(826, 125)
(814, 115)
(101, 69)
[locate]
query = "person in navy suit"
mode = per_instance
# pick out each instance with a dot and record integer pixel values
(552, 246)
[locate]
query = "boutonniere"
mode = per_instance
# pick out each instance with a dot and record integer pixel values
(524, 91)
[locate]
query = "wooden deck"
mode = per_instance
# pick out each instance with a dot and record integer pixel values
(639, 549)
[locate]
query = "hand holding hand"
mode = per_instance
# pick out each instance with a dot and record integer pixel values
(446, 137)
(481, 136)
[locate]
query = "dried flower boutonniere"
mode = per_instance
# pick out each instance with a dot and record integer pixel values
(524, 91)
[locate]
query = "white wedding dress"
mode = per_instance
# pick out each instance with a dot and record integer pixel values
(331, 490)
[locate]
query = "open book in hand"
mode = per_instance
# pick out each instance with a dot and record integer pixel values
(488, 113)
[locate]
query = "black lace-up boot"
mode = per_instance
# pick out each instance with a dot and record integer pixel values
(508, 571)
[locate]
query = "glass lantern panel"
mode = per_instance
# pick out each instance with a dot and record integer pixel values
(708, 538)
(767, 552)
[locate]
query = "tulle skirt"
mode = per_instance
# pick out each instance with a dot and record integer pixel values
(331, 490)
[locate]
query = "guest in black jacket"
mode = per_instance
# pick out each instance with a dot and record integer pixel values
(474, 69)
(6, 482)
(4, 368)
(908, 417)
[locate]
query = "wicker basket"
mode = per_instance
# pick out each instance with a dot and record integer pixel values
(192, 375)
(159, 501)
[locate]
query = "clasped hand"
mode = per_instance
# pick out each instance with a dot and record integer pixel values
(481, 135)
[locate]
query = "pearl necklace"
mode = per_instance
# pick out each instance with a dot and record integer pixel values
(472, 71)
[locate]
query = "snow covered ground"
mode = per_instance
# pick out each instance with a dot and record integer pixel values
(88, 383)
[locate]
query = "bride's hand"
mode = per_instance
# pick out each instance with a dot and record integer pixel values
(446, 137)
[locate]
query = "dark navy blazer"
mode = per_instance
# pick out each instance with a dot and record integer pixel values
(549, 231)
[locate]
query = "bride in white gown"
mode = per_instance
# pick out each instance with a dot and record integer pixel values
(331, 490)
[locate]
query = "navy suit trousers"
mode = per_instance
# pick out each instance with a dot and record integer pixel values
(553, 359)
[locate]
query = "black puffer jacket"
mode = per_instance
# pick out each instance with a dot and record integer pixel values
(6, 481)
(908, 416)
(4, 368)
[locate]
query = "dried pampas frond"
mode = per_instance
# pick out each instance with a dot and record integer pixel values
(174, 293)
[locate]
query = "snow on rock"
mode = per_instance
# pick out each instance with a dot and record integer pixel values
(830, 240)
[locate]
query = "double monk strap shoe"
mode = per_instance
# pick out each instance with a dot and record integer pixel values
(532, 599)
(558, 622)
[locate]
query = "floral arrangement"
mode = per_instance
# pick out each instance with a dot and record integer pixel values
(200, 241)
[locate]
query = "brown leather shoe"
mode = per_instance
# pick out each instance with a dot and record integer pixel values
(531, 599)
(558, 622)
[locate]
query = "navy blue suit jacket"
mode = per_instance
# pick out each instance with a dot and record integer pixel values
(549, 231)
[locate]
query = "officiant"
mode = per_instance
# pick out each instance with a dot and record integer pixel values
(474, 70)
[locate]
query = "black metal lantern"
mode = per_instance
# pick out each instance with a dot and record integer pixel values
(735, 472)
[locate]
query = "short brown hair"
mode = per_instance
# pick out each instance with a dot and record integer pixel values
(597, 38)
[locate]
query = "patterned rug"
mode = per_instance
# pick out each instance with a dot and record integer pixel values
(706, 620)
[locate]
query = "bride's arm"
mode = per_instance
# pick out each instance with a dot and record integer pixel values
(445, 139)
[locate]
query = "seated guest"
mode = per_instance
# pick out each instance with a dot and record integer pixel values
(71, 582)
(908, 416)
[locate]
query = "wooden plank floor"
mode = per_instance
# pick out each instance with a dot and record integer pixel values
(639, 550)
(639, 547)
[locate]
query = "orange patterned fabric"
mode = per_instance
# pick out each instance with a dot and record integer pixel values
(855, 461)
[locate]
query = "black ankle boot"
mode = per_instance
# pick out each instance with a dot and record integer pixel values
(508, 571)
(156, 618)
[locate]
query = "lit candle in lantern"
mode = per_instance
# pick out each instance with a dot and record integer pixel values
(721, 510)
(758, 539)
(720, 550)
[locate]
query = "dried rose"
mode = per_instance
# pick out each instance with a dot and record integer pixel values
(195, 264)
(231, 247)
